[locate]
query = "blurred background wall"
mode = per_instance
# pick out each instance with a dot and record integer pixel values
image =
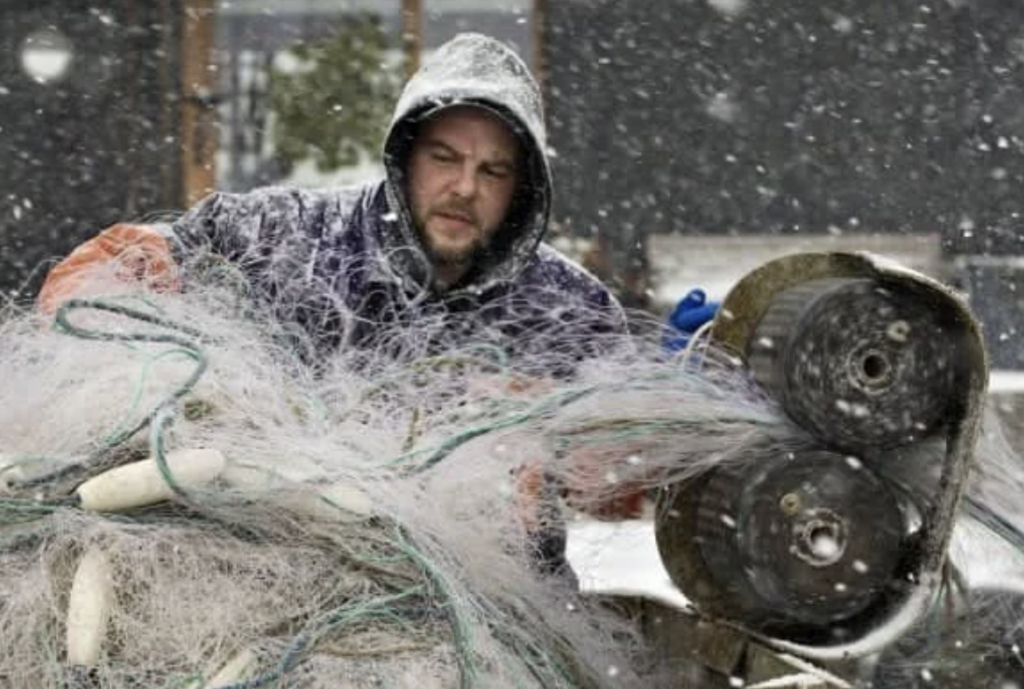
(91, 122)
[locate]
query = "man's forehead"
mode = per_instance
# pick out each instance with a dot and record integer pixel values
(459, 119)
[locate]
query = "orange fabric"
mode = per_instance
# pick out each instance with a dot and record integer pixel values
(136, 253)
(529, 496)
(577, 487)
(589, 488)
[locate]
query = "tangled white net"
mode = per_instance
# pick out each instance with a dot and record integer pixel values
(358, 523)
(355, 524)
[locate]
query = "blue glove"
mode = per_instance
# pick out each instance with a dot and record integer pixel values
(690, 313)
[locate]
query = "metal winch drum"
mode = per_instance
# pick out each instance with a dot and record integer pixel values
(814, 547)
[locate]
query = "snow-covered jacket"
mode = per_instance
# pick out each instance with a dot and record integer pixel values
(347, 265)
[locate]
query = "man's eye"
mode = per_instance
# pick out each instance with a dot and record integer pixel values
(442, 157)
(497, 172)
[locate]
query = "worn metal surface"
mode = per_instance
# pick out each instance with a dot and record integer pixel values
(742, 310)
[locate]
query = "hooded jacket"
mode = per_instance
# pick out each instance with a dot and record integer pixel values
(347, 265)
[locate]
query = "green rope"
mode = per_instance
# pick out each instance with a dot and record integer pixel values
(460, 628)
(62, 324)
(96, 460)
(161, 419)
(379, 608)
(117, 435)
(441, 451)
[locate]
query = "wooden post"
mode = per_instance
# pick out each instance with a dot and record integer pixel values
(198, 111)
(170, 168)
(538, 17)
(412, 34)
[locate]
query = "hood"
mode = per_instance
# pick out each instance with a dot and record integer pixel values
(475, 70)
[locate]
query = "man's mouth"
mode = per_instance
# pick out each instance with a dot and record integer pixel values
(457, 216)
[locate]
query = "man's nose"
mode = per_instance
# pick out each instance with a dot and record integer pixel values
(466, 183)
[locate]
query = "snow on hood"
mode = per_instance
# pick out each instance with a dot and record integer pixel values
(472, 69)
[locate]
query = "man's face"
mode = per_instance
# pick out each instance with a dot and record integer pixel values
(462, 176)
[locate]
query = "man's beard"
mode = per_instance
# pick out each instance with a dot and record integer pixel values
(444, 256)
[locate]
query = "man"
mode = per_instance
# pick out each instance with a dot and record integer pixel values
(447, 246)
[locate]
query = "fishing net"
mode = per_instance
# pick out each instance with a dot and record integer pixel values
(361, 520)
(353, 523)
